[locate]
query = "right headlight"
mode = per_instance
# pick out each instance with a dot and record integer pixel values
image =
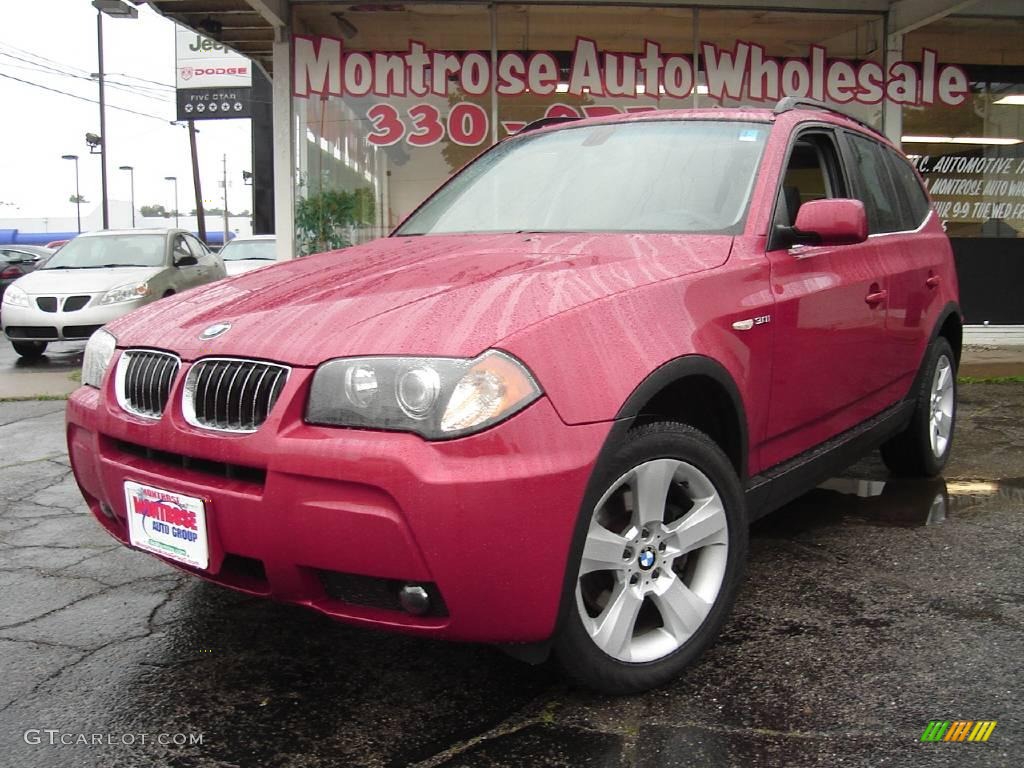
(15, 296)
(99, 351)
(436, 397)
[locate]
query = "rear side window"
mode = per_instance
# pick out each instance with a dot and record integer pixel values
(915, 200)
(875, 187)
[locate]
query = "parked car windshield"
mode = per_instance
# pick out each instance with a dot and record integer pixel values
(110, 251)
(239, 250)
(656, 176)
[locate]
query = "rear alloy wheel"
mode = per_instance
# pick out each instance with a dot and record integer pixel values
(923, 448)
(662, 557)
(30, 350)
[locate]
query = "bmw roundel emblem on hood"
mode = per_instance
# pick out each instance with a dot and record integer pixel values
(214, 331)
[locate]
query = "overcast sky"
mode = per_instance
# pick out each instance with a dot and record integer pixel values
(38, 126)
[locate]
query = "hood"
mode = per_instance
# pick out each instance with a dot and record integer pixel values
(437, 295)
(56, 282)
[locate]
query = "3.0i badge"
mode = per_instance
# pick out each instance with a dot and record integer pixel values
(215, 330)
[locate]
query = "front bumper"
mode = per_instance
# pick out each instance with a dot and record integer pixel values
(33, 324)
(485, 520)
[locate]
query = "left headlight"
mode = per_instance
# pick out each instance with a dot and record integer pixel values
(15, 296)
(435, 397)
(126, 292)
(98, 353)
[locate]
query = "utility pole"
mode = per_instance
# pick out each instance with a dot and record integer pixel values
(224, 176)
(103, 122)
(200, 216)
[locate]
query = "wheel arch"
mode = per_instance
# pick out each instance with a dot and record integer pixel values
(681, 390)
(950, 326)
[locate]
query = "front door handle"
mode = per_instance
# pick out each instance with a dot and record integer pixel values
(932, 281)
(876, 297)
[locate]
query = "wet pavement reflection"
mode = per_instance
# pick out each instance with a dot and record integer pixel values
(871, 606)
(59, 356)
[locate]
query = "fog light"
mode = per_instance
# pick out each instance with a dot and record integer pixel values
(414, 599)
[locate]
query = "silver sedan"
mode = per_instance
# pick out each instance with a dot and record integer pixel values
(98, 277)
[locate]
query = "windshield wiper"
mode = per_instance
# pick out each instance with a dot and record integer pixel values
(107, 266)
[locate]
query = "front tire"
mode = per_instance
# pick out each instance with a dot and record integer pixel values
(30, 350)
(923, 448)
(661, 562)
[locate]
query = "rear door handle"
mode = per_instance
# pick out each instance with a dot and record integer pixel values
(875, 298)
(933, 281)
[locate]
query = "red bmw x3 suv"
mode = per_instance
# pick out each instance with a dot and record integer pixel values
(543, 412)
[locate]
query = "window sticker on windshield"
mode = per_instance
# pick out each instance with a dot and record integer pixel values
(751, 134)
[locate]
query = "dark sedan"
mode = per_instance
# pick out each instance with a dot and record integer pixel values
(18, 260)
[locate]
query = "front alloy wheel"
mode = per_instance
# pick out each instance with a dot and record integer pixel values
(661, 558)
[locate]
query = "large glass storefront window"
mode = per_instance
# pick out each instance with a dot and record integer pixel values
(392, 99)
(972, 157)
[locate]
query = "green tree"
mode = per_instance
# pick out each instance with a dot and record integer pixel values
(77, 199)
(323, 221)
(155, 210)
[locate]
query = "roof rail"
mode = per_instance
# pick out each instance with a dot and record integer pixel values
(544, 122)
(787, 103)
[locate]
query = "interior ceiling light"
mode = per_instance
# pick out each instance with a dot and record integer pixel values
(1014, 98)
(959, 140)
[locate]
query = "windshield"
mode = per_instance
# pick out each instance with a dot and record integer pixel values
(657, 176)
(237, 250)
(110, 251)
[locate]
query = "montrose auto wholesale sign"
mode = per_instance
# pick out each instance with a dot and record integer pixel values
(213, 81)
(323, 67)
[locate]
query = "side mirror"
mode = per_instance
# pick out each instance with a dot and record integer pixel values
(831, 222)
(186, 261)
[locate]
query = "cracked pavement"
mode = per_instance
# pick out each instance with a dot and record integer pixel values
(867, 611)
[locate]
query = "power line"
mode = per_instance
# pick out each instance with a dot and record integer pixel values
(136, 77)
(137, 90)
(43, 58)
(81, 98)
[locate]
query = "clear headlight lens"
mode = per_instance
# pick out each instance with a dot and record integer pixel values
(98, 353)
(438, 397)
(15, 296)
(126, 292)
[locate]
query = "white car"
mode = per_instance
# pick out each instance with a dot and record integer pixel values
(98, 277)
(244, 254)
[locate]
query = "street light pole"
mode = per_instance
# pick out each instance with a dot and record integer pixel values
(175, 180)
(78, 195)
(131, 172)
(119, 10)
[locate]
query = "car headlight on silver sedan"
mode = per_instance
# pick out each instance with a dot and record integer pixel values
(99, 351)
(435, 397)
(126, 292)
(15, 297)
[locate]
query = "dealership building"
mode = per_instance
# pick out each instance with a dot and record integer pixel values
(362, 109)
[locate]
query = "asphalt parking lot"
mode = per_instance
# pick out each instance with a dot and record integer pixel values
(868, 611)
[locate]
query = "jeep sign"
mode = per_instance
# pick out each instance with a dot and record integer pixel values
(206, 63)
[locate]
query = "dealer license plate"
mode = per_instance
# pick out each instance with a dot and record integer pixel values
(166, 523)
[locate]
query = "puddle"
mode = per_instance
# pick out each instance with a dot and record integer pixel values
(916, 502)
(904, 503)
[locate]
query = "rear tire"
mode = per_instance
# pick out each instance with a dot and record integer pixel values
(923, 448)
(665, 548)
(30, 350)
